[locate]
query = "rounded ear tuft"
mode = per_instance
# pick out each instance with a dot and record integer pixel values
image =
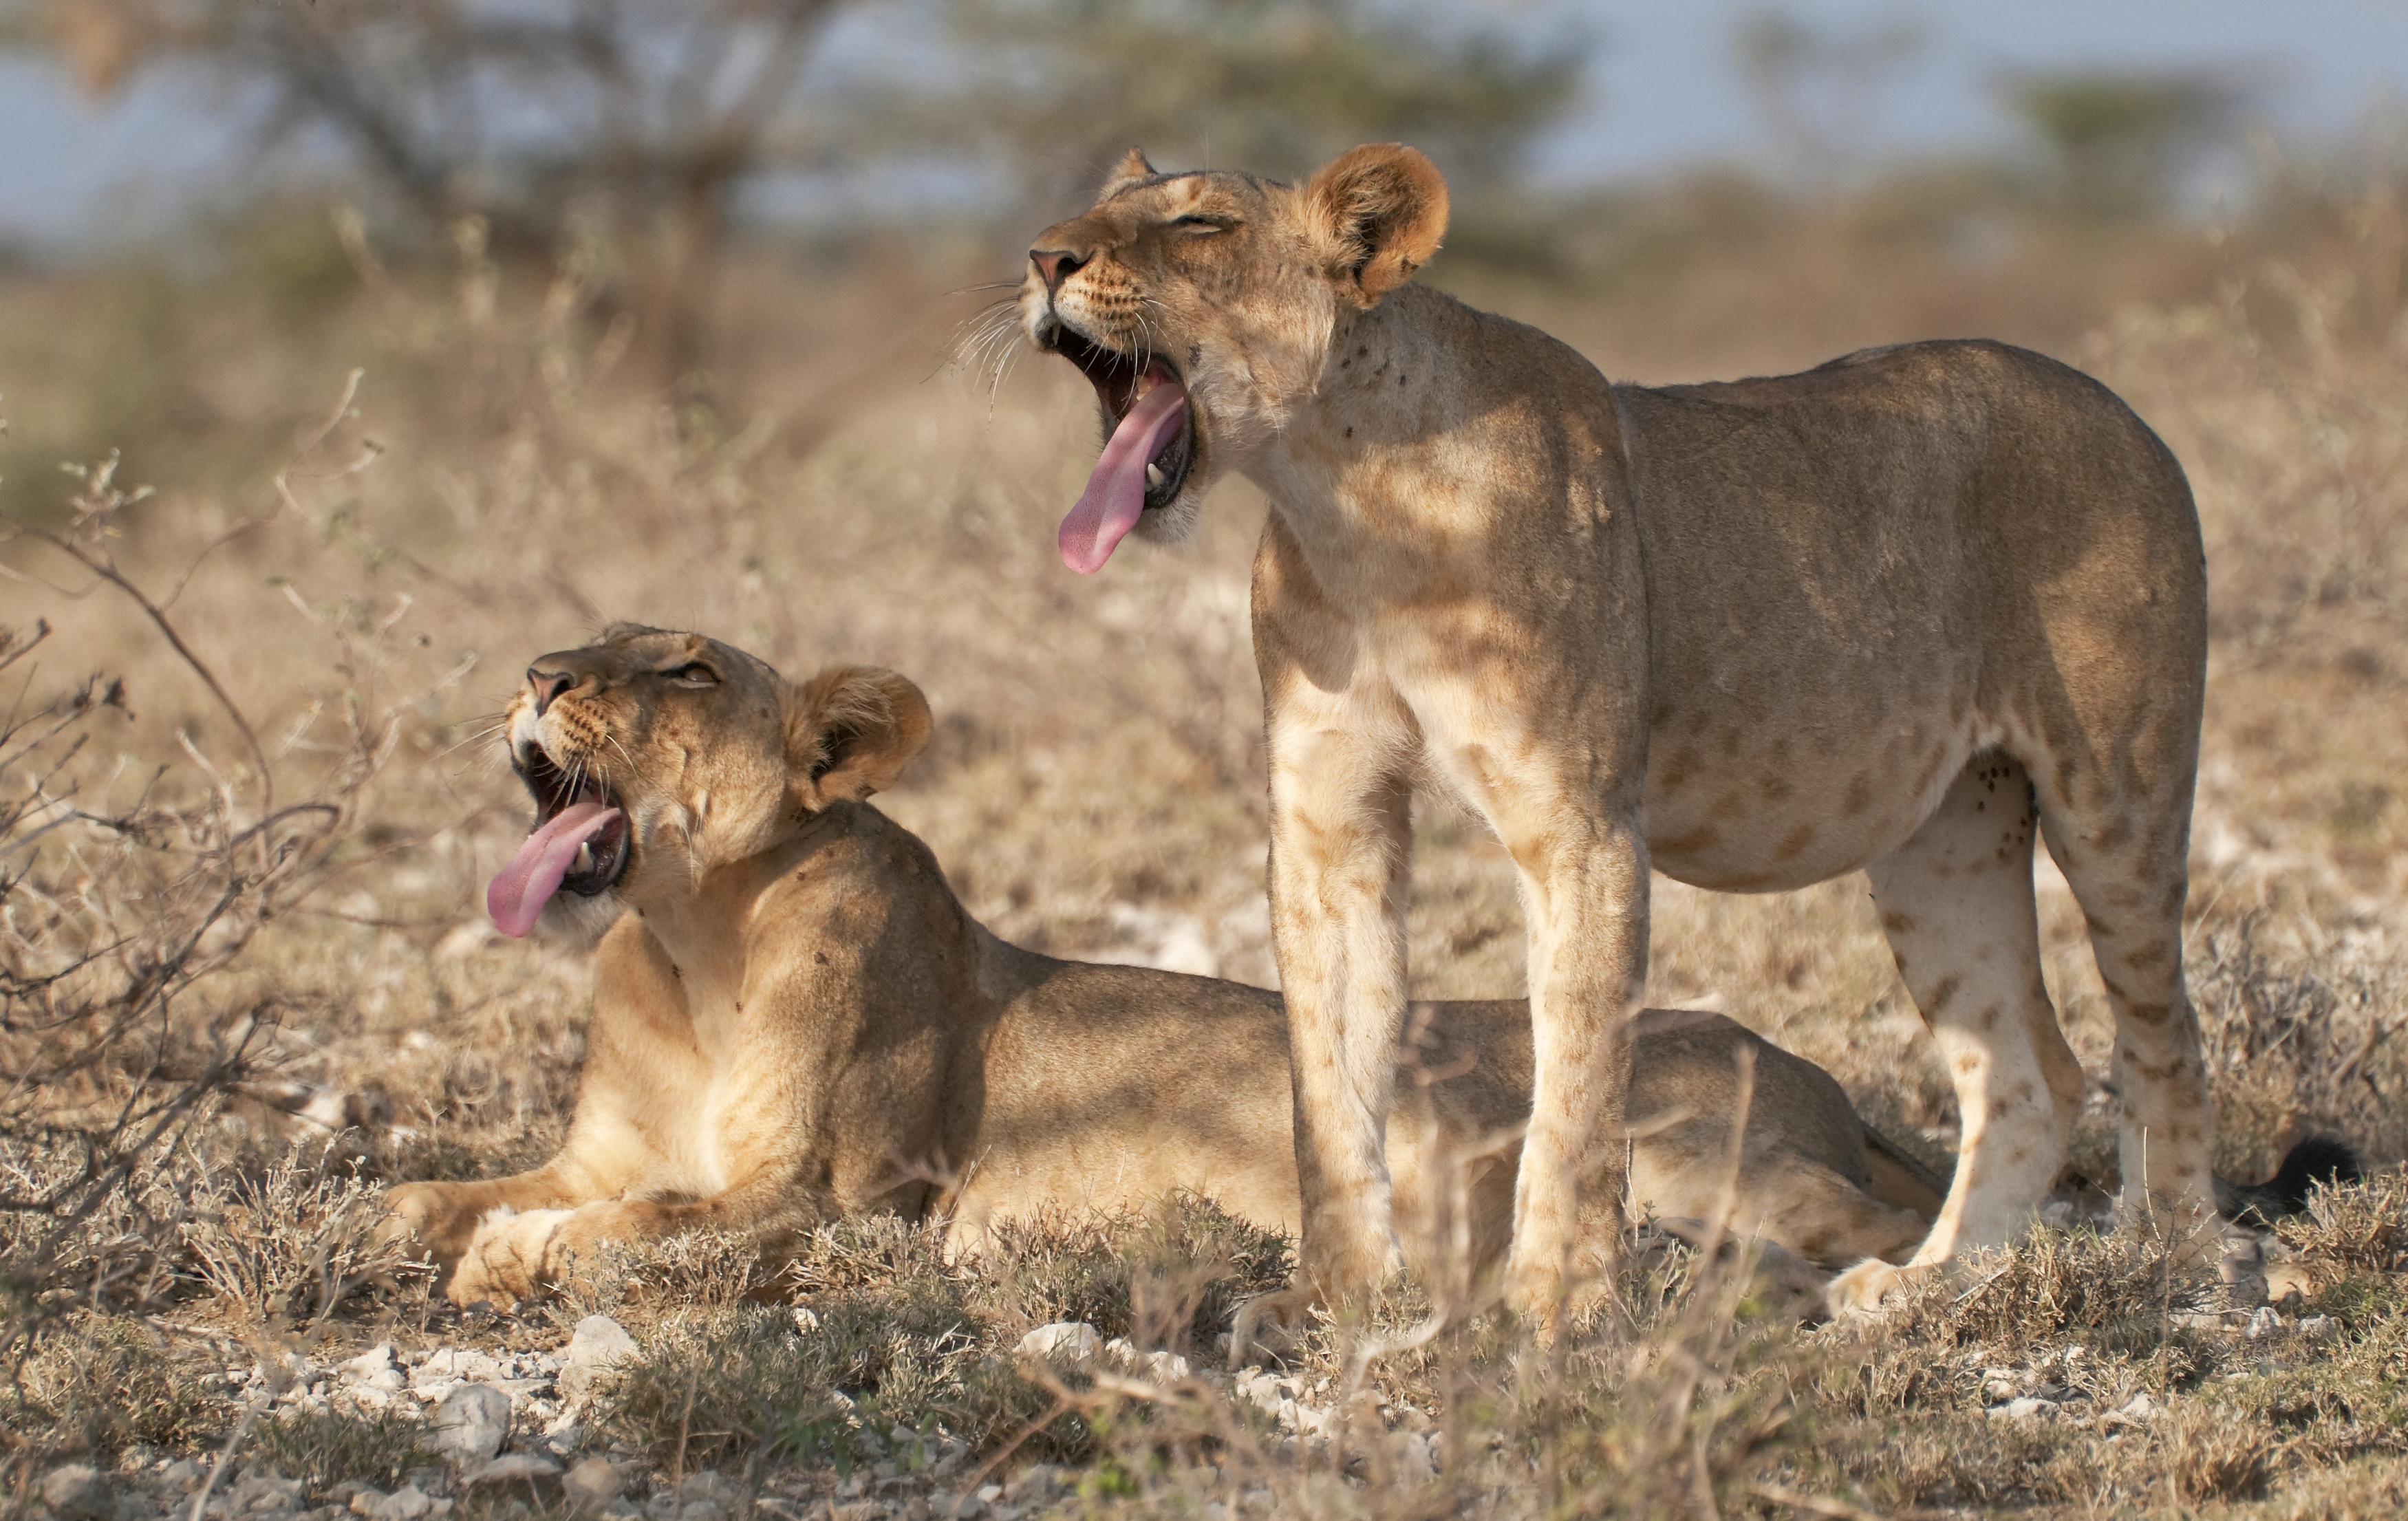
(1381, 210)
(851, 730)
(1132, 170)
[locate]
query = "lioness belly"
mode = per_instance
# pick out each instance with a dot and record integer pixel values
(1780, 806)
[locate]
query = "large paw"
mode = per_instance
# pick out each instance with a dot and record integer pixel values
(429, 1219)
(1268, 1324)
(515, 1255)
(1872, 1288)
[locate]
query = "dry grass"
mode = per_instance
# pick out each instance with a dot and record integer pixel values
(496, 489)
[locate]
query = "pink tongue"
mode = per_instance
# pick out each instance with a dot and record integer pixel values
(1115, 495)
(516, 897)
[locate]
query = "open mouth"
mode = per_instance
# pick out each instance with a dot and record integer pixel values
(580, 843)
(601, 857)
(1150, 450)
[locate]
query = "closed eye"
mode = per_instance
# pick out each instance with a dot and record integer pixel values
(1203, 226)
(693, 674)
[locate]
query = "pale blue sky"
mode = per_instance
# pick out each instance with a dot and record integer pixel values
(1664, 93)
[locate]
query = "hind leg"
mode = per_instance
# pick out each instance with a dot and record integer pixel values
(2126, 858)
(1955, 901)
(1825, 1218)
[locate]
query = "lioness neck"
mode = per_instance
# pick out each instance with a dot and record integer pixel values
(1417, 400)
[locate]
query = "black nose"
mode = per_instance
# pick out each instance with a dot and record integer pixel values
(546, 685)
(1055, 265)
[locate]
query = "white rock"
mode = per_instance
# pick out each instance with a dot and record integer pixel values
(2317, 1328)
(2264, 1321)
(409, 1503)
(2021, 1409)
(514, 1468)
(77, 1493)
(456, 1365)
(590, 1485)
(471, 1423)
(599, 1344)
(1073, 1342)
(2139, 1408)
(374, 1369)
(1160, 1367)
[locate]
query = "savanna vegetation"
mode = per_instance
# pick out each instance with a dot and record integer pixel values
(339, 459)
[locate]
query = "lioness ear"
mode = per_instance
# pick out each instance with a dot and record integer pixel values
(850, 732)
(1131, 170)
(1381, 209)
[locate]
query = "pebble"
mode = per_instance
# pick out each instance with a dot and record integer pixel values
(2317, 1328)
(374, 1369)
(77, 1493)
(407, 1504)
(512, 1466)
(471, 1423)
(599, 1344)
(1073, 1341)
(455, 1364)
(1161, 1367)
(590, 1485)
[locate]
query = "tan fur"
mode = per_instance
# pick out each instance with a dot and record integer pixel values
(1896, 613)
(793, 1019)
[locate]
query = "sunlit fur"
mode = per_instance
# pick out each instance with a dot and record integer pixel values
(818, 1028)
(1910, 612)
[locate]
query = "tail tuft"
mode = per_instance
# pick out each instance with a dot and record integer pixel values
(2317, 1160)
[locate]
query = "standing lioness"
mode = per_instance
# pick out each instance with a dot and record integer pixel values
(1891, 614)
(794, 1019)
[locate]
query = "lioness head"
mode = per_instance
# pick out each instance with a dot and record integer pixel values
(1202, 307)
(655, 757)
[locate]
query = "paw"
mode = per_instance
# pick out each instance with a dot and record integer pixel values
(1268, 1324)
(427, 1220)
(514, 1255)
(1872, 1288)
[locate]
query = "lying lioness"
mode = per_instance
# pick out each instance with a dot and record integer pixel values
(793, 1019)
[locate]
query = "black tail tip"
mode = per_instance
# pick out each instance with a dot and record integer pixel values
(2317, 1160)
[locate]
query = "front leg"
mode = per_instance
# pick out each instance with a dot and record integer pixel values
(436, 1222)
(1340, 867)
(1585, 898)
(533, 1252)
(1559, 783)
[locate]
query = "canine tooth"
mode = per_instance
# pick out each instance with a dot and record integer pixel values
(1153, 475)
(584, 861)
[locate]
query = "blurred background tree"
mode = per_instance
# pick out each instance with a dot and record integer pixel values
(1818, 89)
(1048, 94)
(641, 120)
(524, 124)
(2120, 143)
